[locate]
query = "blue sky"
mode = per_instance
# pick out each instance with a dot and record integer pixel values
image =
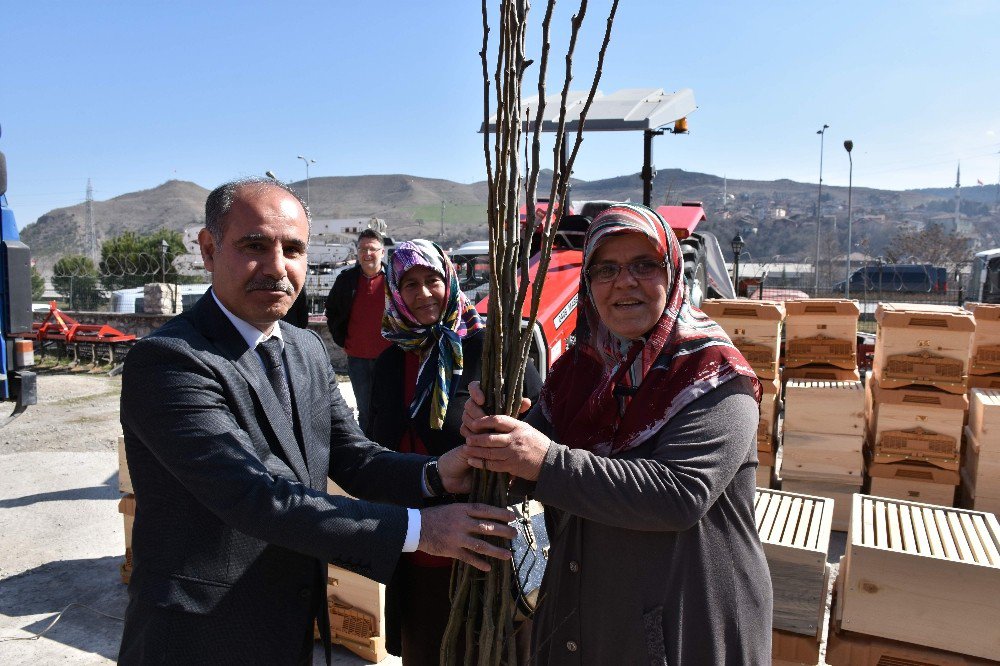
(131, 94)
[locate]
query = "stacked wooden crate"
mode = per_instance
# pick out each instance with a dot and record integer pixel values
(914, 437)
(821, 339)
(126, 507)
(917, 404)
(919, 574)
(795, 533)
(981, 462)
(984, 363)
(356, 607)
(755, 329)
(823, 437)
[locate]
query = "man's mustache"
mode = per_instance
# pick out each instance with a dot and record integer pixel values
(270, 284)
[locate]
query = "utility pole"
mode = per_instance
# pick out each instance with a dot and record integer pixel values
(441, 235)
(91, 226)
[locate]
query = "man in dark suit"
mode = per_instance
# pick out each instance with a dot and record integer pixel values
(232, 423)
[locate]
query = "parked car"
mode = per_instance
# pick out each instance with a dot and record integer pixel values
(911, 278)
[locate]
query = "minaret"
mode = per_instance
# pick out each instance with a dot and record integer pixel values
(958, 198)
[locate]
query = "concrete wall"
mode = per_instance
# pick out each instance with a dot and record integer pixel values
(143, 324)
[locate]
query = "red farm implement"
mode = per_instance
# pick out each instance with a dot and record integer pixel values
(96, 344)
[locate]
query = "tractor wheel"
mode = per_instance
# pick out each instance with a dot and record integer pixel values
(695, 273)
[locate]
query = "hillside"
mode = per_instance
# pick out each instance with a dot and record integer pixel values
(778, 217)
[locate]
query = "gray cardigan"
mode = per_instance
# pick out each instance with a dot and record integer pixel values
(655, 556)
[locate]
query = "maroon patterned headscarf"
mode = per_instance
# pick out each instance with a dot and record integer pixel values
(608, 395)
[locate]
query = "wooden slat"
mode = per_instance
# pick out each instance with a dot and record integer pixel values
(868, 522)
(972, 537)
(802, 529)
(987, 539)
(760, 507)
(772, 511)
(892, 520)
(815, 523)
(933, 533)
(944, 531)
(780, 519)
(881, 539)
(792, 521)
(919, 531)
(958, 535)
(906, 529)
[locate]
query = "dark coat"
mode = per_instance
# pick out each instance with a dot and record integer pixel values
(655, 556)
(390, 416)
(233, 527)
(339, 302)
(390, 420)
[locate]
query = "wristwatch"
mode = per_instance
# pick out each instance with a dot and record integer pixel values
(432, 479)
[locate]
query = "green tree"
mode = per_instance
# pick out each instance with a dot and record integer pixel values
(131, 260)
(75, 277)
(37, 284)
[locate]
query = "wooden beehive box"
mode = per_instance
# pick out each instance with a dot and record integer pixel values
(126, 507)
(755, 329)
(356, 608)
(839, 493)
(923, 574)
(826, 373)
(984, 381)
(985, 359)
(913, 423)
(791, 649)
(925, 345)
(124, 478)
(768, 467)
(770, 405)
(352, 599)
(835, 408)
(984, 414)
(822, 331)
(795, 532)
(981, 473)
(927, 492)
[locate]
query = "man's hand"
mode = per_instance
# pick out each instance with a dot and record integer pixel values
(457, 531)
(473, 410)
(504, 444)
(456, 474)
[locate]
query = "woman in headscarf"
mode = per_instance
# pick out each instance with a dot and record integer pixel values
(419, 391)
(642, 451)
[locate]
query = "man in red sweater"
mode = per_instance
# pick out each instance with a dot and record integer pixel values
(354, 310)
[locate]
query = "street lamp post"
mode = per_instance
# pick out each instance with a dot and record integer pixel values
(737, 245)
(819, 206)
(849, 146)
(308, 162)
(164, 246)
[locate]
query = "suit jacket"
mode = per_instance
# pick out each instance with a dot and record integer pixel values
(233, 526)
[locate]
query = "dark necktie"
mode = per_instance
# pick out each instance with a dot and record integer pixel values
(270, 352)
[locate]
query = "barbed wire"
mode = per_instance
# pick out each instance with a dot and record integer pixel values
(133, 264)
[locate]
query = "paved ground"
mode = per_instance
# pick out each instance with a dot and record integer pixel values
(60, 528)
(61, 531)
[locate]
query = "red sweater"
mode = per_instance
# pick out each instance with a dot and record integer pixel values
(364, 328)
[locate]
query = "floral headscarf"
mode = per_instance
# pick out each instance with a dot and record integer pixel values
(609, 395)
(439, 345)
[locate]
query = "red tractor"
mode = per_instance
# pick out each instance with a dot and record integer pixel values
(553, 334)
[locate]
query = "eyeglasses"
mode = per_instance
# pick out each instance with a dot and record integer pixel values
(640, 270)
